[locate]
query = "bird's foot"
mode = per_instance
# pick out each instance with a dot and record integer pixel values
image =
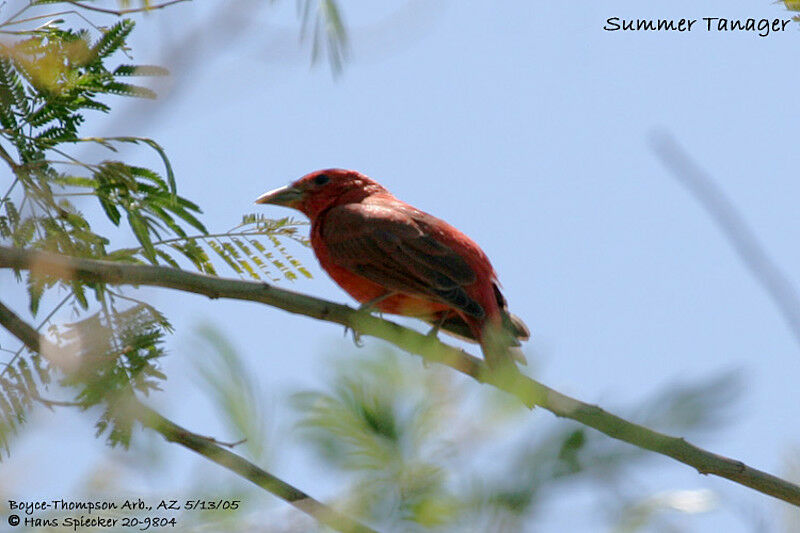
(434, 332)
(367, 308)
(437, 326)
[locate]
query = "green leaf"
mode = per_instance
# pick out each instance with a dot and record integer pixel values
(27, 375)
(113, 39)
(168, 258)
(152, 144)
(140, 70)
(5, 230)
(224, 255)
(36, 286)
(126, 89)
(252, 257)
(110, 210)
(187, 216)
(75, 181)
(80, 294)
(42, 372)
(142, 233)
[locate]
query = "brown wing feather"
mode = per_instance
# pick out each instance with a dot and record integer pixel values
(386, 246)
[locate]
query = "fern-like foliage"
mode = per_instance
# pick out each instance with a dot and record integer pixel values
(116, 353)
(50, 77)
(243, 252)
(19, 388)
(322, 19)
(240, 249)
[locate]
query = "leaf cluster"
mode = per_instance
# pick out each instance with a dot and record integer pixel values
(322, 19)
(115, 354)
(382, 421)
(402, 434)
(50, 77)
(19, 389)
(53, 75)
(232, 388)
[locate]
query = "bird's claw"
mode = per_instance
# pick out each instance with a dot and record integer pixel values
(356, 336)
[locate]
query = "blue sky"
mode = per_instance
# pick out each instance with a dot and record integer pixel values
(526, 125)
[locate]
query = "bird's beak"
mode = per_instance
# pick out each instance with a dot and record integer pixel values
(286, 196)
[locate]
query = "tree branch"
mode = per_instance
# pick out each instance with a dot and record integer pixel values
(528, 391)
(733, 226)
(299, 499)
(8, 159)
(120, 12)
(197, 443)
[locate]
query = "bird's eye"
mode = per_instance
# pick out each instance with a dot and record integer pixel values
(322, 179)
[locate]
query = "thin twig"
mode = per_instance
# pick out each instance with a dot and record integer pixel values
(8, 192)
(733, 225)
(41, 324)
(230, 445)
(15, 15)
(51, 15)
(47, 402)
(205, 446)
(33, 394)
(206, 236)
(8, 159)
(299, 499)
(528, 391)
(120, 12)
(50, 403)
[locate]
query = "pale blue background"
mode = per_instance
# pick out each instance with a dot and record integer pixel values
(525, 125)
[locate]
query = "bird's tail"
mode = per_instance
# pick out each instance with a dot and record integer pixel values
(500, 344)
(514, 324)
(456, 326)
(500, 338)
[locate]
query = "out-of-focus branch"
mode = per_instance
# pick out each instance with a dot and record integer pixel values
(197, 443)
(8, 159)
(750, 250)
(527, 390)
(19, 328)
(203, 446)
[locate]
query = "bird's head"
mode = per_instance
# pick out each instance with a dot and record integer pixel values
(315, 192)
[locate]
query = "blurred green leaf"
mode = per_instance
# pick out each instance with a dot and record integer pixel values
(232, 388)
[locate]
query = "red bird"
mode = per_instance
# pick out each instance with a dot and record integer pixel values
(397, 259)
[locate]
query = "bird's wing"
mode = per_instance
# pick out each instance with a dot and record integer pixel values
(388, 246)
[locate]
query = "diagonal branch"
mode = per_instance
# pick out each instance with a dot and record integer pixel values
(214, 452)
(764, 269)
(528, 391)
(202, 445)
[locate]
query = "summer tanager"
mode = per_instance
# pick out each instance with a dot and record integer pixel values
(397, 259)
